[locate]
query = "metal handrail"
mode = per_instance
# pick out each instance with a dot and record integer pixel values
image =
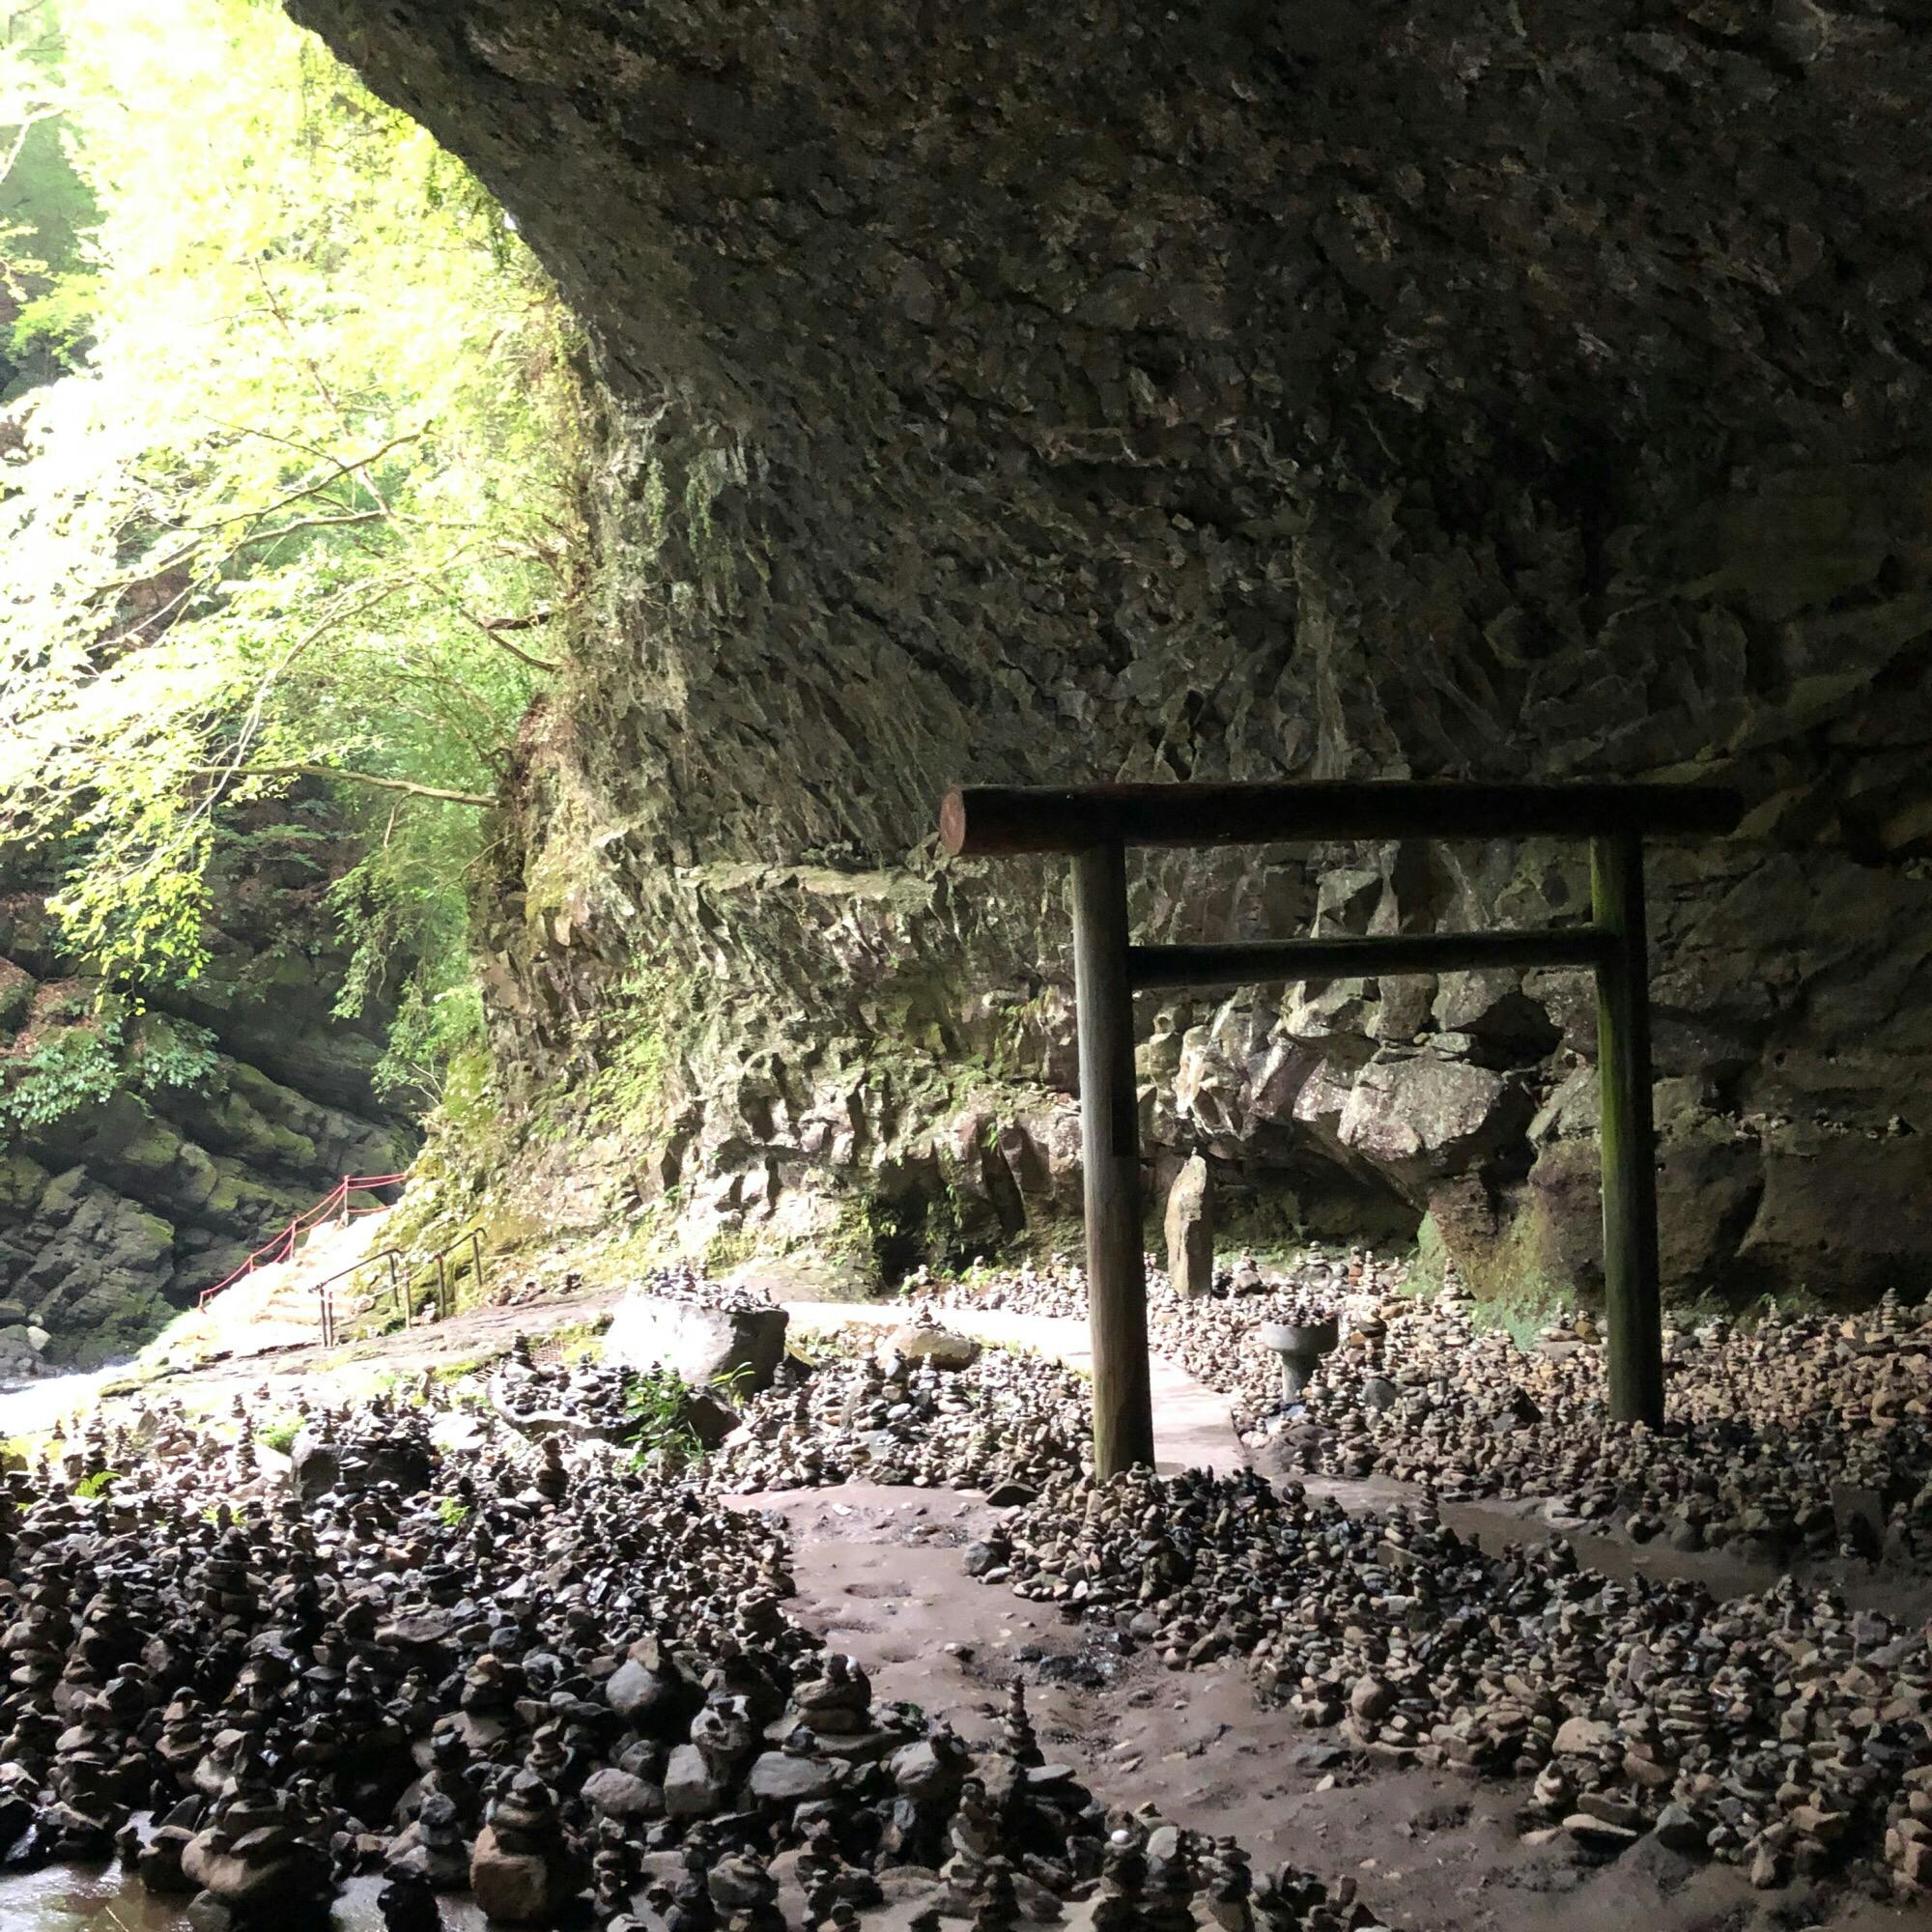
(282, 1247)
(402, 1289)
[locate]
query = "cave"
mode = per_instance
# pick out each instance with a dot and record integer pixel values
(1228, 393)
(515, 515)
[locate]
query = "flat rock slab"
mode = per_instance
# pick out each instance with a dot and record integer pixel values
(700, 1345)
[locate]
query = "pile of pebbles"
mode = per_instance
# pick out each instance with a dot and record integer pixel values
(528, 1672)
(1796, 1437)
(1800, 1437)
(1006, 1424)
(1781, 1732)
(588, 1400)
(684, 1281)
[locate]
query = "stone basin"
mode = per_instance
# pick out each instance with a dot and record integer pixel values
(1300, 1345)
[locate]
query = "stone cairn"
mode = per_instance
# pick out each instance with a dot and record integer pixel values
(526, 1672)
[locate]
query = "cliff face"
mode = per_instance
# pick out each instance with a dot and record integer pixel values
(1219, 390)
(144, 1153)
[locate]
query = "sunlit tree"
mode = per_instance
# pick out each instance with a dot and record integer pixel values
(305, 511)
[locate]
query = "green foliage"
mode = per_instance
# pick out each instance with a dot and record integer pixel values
(58, 326)
(72, 1068)
(30, 108)
(90, 1487)
(454, 1512)
(306, 516)
(663, 1440)
(99, 1051)
(734, 1385)
(171, 1053)
(281, 1434)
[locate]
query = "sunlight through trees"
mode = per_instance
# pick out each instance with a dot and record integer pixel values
(299, 515)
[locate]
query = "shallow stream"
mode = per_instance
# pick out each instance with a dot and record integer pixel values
(64, 1900)
(29, 1409)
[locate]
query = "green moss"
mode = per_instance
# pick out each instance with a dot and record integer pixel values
(730, 1248)
(577, 1341)
(1512, 1283)
(281, 1434)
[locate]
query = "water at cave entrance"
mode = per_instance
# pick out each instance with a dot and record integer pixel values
(67, 1899)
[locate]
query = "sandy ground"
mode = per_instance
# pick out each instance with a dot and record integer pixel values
(880, 1575)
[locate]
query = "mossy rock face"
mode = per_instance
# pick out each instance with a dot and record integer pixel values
(117, 1206)
(927, 463)
(17, 996)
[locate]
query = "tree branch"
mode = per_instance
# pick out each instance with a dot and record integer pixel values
(409, 785)
(488, 627)
(354, 466)
(299, 523)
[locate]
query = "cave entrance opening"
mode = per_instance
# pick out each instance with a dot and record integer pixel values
(1094, 825)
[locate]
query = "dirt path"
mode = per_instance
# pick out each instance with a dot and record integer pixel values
(476, 1335)
(1194, 1427)
(880, 1575)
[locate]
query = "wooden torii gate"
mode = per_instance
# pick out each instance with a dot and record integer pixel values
(1096, 824)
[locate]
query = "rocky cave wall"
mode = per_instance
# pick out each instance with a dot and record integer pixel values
(117, 1210)
(1213, 390)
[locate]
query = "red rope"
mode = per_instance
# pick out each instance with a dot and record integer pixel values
(272, 1253)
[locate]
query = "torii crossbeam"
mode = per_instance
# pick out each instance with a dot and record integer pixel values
(1096, 824)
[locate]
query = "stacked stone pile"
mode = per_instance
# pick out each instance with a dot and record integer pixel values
(525, 1672)
(1003, 1423)
(586, 1401)
(1781, 1732)
(1794, 1437)
(686, 1281)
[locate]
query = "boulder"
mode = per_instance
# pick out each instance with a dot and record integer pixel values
(650, 1693)
(318, 1465)
(692, 1789)
(740, 1347)
(1418, 1115)
(1372, 1700)
(1378, 1394)
(709, 1416)
(1582, 1734)
(1191, 1229)
(315, 1466)
(617, 1794)
(918, 1342)
(779, 1777)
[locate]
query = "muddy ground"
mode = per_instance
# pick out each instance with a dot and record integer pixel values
(880, 1574)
